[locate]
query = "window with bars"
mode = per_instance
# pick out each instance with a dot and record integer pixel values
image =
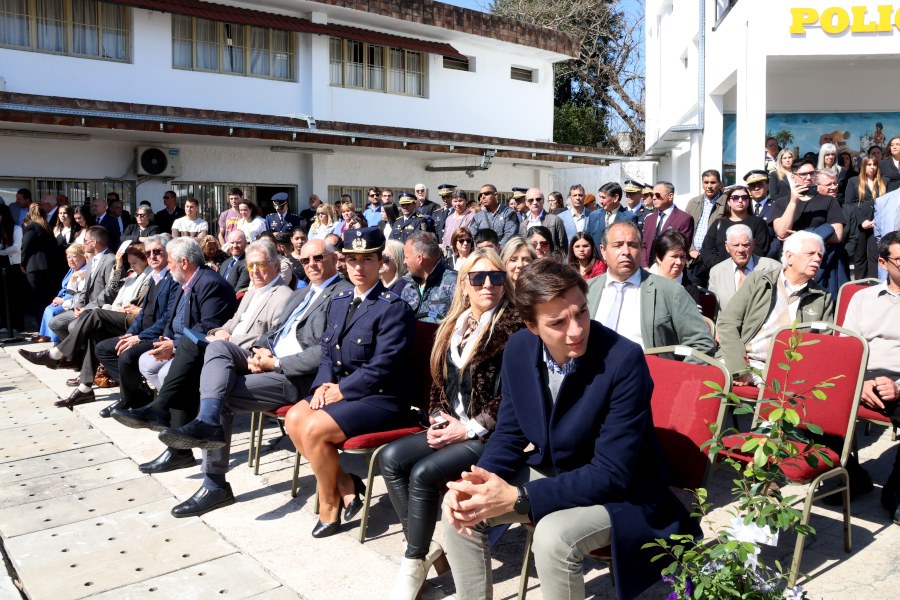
(213, 46)
(378, 68)
(82, 28)
(456, 64)
(83, 191)
(519, 74)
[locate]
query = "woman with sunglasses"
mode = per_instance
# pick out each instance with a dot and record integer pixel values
(459, 218)
(465, 396)
(394, 267)
(324, 223)
(584, 256)
(737, 211)
(360, 387)
(462, 242)
(142, 228)
(515, 256)
(540, 238)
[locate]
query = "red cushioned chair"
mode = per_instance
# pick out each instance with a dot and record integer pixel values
(831, 356)
(847, 291)
(681, 421)
(709, 304)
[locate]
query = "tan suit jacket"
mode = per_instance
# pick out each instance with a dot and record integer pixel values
(264, 317)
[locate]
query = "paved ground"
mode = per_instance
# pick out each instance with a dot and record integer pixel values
(79, 520)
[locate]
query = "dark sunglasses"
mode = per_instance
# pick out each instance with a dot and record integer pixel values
(168, 197)
(154, 252)
(742, 198)
(315, 257)
(464, 241)
(486, 194)
(478, 278)
(373, 196)
(540, 244)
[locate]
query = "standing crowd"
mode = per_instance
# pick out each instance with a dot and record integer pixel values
(536, 314)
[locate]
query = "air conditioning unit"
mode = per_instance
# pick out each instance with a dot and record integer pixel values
(150, 161)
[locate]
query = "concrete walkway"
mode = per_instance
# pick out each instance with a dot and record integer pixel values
(78, 520)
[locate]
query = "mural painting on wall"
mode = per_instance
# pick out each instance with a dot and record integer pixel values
(803, 133)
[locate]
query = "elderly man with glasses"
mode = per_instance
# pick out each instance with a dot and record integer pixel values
(536, 215)
(426, 206)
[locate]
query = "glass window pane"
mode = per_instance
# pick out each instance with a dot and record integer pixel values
(50, 25)
(233, 48)
(114, 31)
(282, 54)
(182, 29)
(398, 71)
(14, 24)
(375, 66)
(336, 61)
(355, 64)
(414, 74)
(260, 54)
(207, 48)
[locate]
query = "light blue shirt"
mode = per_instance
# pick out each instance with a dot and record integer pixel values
(885, 219)
(373, 216)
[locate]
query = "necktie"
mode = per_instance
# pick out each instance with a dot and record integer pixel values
(352, 310)
(741, 277)
(178, 321)
(608, 218)
(228, 268)
(660, 217)
(295, 315)
(758, 208)
(612, 319)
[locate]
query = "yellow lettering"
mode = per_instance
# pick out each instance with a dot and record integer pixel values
(859, 18)
(803, 17)
(828, 21)
(884, 18)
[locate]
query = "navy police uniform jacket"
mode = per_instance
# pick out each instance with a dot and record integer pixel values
(599, 438)
(367, 355)
(403, 228)
(276, 223)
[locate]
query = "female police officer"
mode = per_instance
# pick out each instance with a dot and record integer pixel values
(359, 388)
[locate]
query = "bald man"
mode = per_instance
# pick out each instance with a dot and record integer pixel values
(536, 215)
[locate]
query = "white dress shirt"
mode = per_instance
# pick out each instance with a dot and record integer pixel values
(630, 314)
(287, 344)
(534, 221)
(458, 404)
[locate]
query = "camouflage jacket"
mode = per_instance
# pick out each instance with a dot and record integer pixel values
(431, 303)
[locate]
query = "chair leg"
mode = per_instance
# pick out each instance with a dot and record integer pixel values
(281, 426)
(848, 543)
(798, 547)
(295, 480)
(893, 433)
(868, 428)
(526, 563)
(252, 439)
(612, 574)
(261, 426)
(316, 501)
(372, 460)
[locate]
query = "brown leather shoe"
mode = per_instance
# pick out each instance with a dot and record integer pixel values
(40, 358)
(69, 364)
(40, 339)
(73, 382)
(77, 397)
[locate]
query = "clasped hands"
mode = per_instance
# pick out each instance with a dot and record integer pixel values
(261, 361)
(454, 432)
(480, 495)
(325, 394)
(877, 391)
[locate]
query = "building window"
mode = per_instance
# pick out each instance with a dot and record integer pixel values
(377, 68)
(213, 46)
(213, 197)
(83, 28)
(518, 74)
(456, 64)
(81, 192)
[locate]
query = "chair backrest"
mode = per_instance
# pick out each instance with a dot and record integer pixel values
(830, 356)
(681, 419)
(847, 291)
(709, 303)
(418, 362)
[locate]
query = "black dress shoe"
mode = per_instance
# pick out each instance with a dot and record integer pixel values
(326, 529)
(890, 497)
(195, 434)
(77, 397)
(74, 382)
(107, 412)
(204, 501)
(141, 418)
(170, 460)
(356, 504)
(41, 358)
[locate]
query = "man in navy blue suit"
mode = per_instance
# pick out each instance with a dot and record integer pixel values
(580, 394)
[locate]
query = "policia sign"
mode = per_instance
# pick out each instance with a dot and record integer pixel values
(838, 20)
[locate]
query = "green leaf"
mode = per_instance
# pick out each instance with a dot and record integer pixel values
(819, 394)
(775, 415)
(798, 356)
(677, 550)
(784, 367)
(776, 386)
(713, 385)
(751, 444)
(813, 428)
(698, 591)
(810, 343)
(657, 557)
(791, 416)
(760, 457)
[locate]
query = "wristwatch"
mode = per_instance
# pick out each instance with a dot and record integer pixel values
(523, 504)
(471, 434)
(277, 366)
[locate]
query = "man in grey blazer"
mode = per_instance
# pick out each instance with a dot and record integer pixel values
(726, 277)
(277, 371)
(536, 215)
(95, 293)
(650, 310)
(611, 210)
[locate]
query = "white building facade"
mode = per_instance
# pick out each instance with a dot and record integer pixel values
(724, 74)
(280, 95)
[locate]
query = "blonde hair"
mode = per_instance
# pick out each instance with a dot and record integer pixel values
(37, 215)
(328, 210)
(394, 248)
(880, 188)
(75, 249)
(779, 167)
(460, 304)
(512, 246)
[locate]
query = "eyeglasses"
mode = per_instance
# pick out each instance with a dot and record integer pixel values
(535, 201)
(771, 144)
(373, 195)
(141, 215)
(464, 241)
(806, 175)
(740, 198)
(542, 245)
(315, 257)
(478, 278)
(486, 194)
(894, 260)
(168, 197)
(257, 266)
(154, 252)
(420, 191)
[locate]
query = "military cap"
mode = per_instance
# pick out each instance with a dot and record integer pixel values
(363, 241)
(633, 186)
(756, 175)
(445, 189)
(280, 199)
(407, 198)
(648, 189)
(518, 192)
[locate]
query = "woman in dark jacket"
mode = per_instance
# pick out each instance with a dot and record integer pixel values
(10, 263)
(780, 178)
(463, 404)
(737, 212)
(142, 228)
(670, 252)
(860, 196)
(890, 166)
(38, 251)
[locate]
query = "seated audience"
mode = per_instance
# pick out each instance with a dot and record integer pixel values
(584, 256)
(95, 325)
(190, 225)
(770, 300)
(63, 300)
(234, 270)
(648, 309)
(214, 255)
(142, 228)
(726, 277)
(516, 255)
(536, 215)
(394, 267)
(285, 246)
(430, 284)
(540, 239)
(737, 212)
(670, 254)
(465, 397)
(597, 475)
(358, 388)
(338, 243)
(462, 243)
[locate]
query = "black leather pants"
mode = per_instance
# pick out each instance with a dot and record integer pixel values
(415, 474)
